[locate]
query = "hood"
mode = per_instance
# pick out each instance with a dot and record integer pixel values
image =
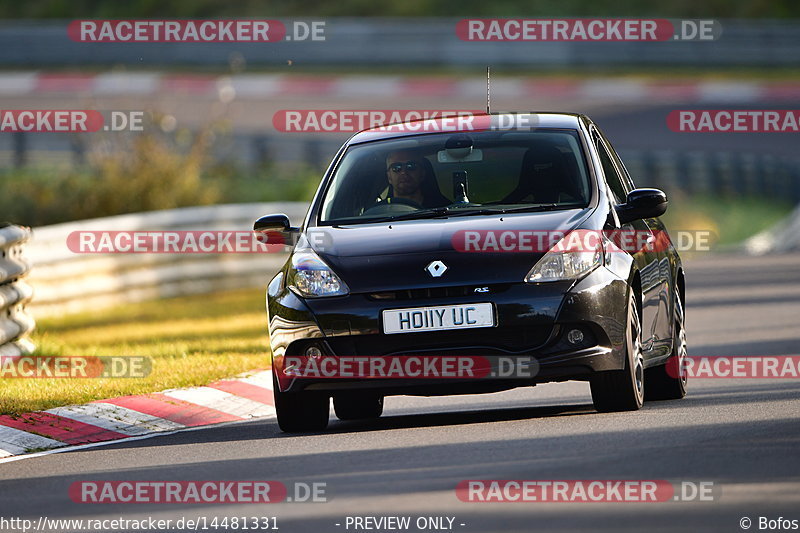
(393, 256)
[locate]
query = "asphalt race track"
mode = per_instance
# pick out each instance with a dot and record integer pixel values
(741, 434)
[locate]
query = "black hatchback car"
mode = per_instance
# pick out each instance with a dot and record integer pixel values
(430, 240)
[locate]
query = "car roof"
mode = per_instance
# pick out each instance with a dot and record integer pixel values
(469, 123)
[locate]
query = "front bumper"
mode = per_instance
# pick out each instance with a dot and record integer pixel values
(532, 322)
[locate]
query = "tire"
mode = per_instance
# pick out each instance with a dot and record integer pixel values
(354, 406)
(300, 411)
(623, 390)
(669, 381)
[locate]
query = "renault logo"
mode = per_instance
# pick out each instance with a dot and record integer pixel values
(436, 269)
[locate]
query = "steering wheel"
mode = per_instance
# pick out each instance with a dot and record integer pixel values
(396, 206)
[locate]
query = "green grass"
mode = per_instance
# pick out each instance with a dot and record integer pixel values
(731, 219)
(191, 341)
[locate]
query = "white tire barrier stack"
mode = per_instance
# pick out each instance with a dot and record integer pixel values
(15, 293)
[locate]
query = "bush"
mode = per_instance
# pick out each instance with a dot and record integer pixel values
(145, 173)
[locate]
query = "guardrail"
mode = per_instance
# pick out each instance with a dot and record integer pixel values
(717, 173)
(68, 282)
(15, 323)
(407, 41)
(734, 173)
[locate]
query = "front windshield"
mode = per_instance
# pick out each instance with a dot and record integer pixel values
(457, 174)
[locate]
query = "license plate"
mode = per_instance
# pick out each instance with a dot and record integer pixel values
(438, 318)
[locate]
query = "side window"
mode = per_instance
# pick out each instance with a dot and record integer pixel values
(626, 176)
(613, 178)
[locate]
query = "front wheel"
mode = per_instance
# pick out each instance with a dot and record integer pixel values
(623, 390)
(669, 381)
(300, 411)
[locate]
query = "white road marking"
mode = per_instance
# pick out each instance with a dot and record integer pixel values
(15, 441)
(262, 379)
(222, 401)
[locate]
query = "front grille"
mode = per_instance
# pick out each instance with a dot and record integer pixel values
(479, 341)
(436, 292)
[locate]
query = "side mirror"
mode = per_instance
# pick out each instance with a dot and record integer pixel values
(642, 203)
(276, 227)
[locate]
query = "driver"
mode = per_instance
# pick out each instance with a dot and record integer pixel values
(409, 179)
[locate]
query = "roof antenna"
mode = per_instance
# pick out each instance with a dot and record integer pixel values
(488, 92)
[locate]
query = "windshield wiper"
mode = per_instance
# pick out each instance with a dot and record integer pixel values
(463, 212)
(438, 212)
(424, 213)
(517, 209)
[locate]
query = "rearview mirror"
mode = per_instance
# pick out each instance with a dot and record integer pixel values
(642, 203)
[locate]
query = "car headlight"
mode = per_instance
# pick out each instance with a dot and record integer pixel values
(310, 277)
(569, 259)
